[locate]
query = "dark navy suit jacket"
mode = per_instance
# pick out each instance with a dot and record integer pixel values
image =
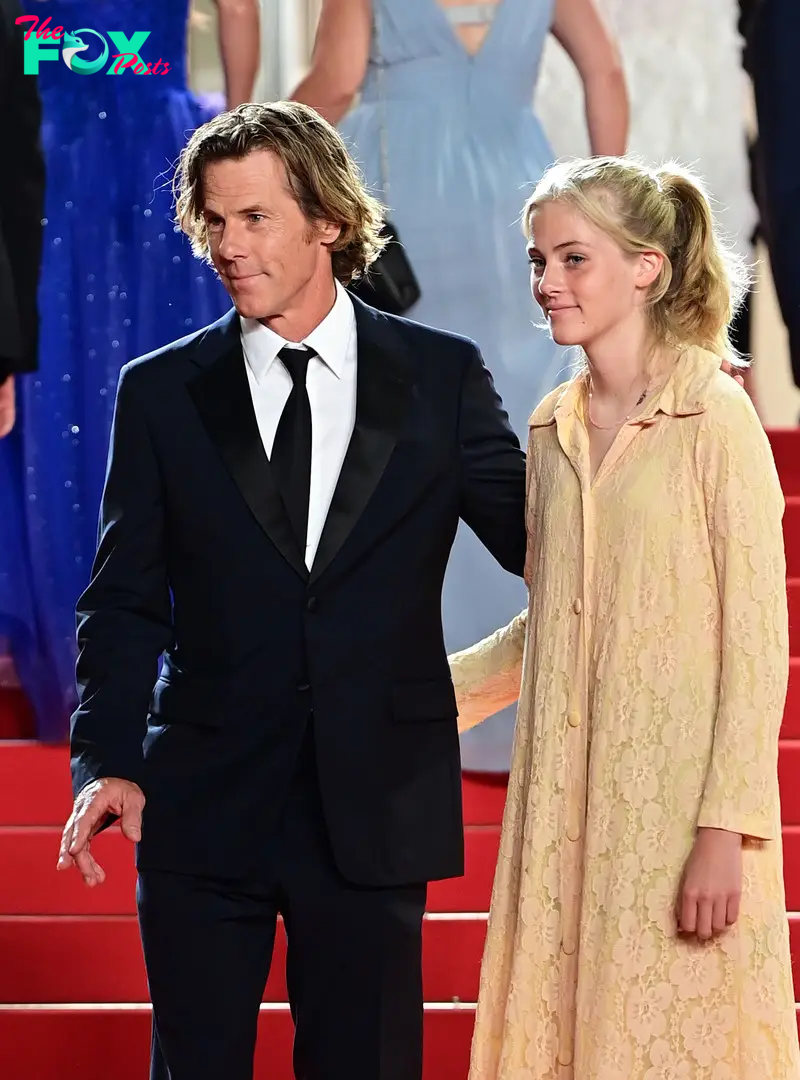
(197, 561)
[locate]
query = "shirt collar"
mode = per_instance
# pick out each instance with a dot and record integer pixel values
(685, 393)
(330, 340)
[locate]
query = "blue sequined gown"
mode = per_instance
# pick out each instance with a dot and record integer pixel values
(117, 281)
(464, 148)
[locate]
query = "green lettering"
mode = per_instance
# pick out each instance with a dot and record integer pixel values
(128, 45)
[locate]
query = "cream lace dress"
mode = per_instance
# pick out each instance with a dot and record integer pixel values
(652, 667)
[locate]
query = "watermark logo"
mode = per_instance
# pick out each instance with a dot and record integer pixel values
(45, 43)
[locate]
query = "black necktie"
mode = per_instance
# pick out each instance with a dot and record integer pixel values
(291, 451)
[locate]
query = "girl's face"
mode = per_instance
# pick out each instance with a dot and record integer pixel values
(587, 286)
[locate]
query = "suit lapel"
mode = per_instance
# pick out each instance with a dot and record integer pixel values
(383, 386)
(222, 397)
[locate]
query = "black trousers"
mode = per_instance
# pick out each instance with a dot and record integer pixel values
(354, 968)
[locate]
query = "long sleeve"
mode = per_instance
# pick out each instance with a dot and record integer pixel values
(493, 469)
(124, 616)
(487, 676)
(744, 506)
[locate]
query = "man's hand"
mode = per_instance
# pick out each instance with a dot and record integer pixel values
(8, 406)
(92, 806)
(708, 899)
(729, 369)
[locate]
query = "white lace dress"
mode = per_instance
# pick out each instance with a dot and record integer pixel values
(688, 98)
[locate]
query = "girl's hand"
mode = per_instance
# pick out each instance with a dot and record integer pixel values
(711, 887)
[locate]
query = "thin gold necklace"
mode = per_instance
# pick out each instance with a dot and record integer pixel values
(611, 427)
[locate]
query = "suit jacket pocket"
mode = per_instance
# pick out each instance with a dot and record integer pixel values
(424, 699)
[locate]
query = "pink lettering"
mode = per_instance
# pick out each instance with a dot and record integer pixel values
(131, 60)
(33, 19)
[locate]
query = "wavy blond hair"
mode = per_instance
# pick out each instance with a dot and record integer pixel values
(701, 283)
(324, 179)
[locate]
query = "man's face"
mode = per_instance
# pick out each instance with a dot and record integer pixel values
(267, 254)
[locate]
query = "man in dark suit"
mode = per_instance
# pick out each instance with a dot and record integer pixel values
(282, 495)
(771, 29)
(21, 212)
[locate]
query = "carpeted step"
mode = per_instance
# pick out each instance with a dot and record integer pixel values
(57, 893)
(31, 885)
(98, 959)
(789, 779)
(35, 784)
(786, 450)
(113, 1043)
(791, 535)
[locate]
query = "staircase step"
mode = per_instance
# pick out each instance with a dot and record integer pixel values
(788, 777)
(786, 450)
(31, 885)
(98, 959)
(791, 533)
(35, 784)
(791, 714)
(86, 1043)
(101, 1043)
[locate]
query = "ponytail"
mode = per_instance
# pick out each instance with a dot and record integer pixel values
(706, 286)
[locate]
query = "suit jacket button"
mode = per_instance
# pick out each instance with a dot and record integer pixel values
(312, 604)
(303, 688)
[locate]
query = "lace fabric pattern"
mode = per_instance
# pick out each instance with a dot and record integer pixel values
(651, 666)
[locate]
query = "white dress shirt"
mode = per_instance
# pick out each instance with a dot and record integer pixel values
(331, 384)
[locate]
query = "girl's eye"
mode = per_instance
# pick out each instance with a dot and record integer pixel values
(575, 260)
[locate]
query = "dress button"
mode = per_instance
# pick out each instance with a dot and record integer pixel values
(312, 604)
(573, 833)
(577, 606)
(565, 1058)
(574, 719)
(568, 946)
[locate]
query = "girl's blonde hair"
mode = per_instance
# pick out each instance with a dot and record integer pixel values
(701, 283)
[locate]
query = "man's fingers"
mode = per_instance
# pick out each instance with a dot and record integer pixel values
(131, 820)
(85, 824)
(64, 858)
(91, 872)
(7, 406)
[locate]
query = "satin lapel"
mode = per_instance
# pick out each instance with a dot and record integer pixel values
(383, 387)
(222, 397)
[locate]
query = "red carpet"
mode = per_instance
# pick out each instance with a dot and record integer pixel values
(73, 997)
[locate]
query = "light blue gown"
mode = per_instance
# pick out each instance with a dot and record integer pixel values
(464, 148)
